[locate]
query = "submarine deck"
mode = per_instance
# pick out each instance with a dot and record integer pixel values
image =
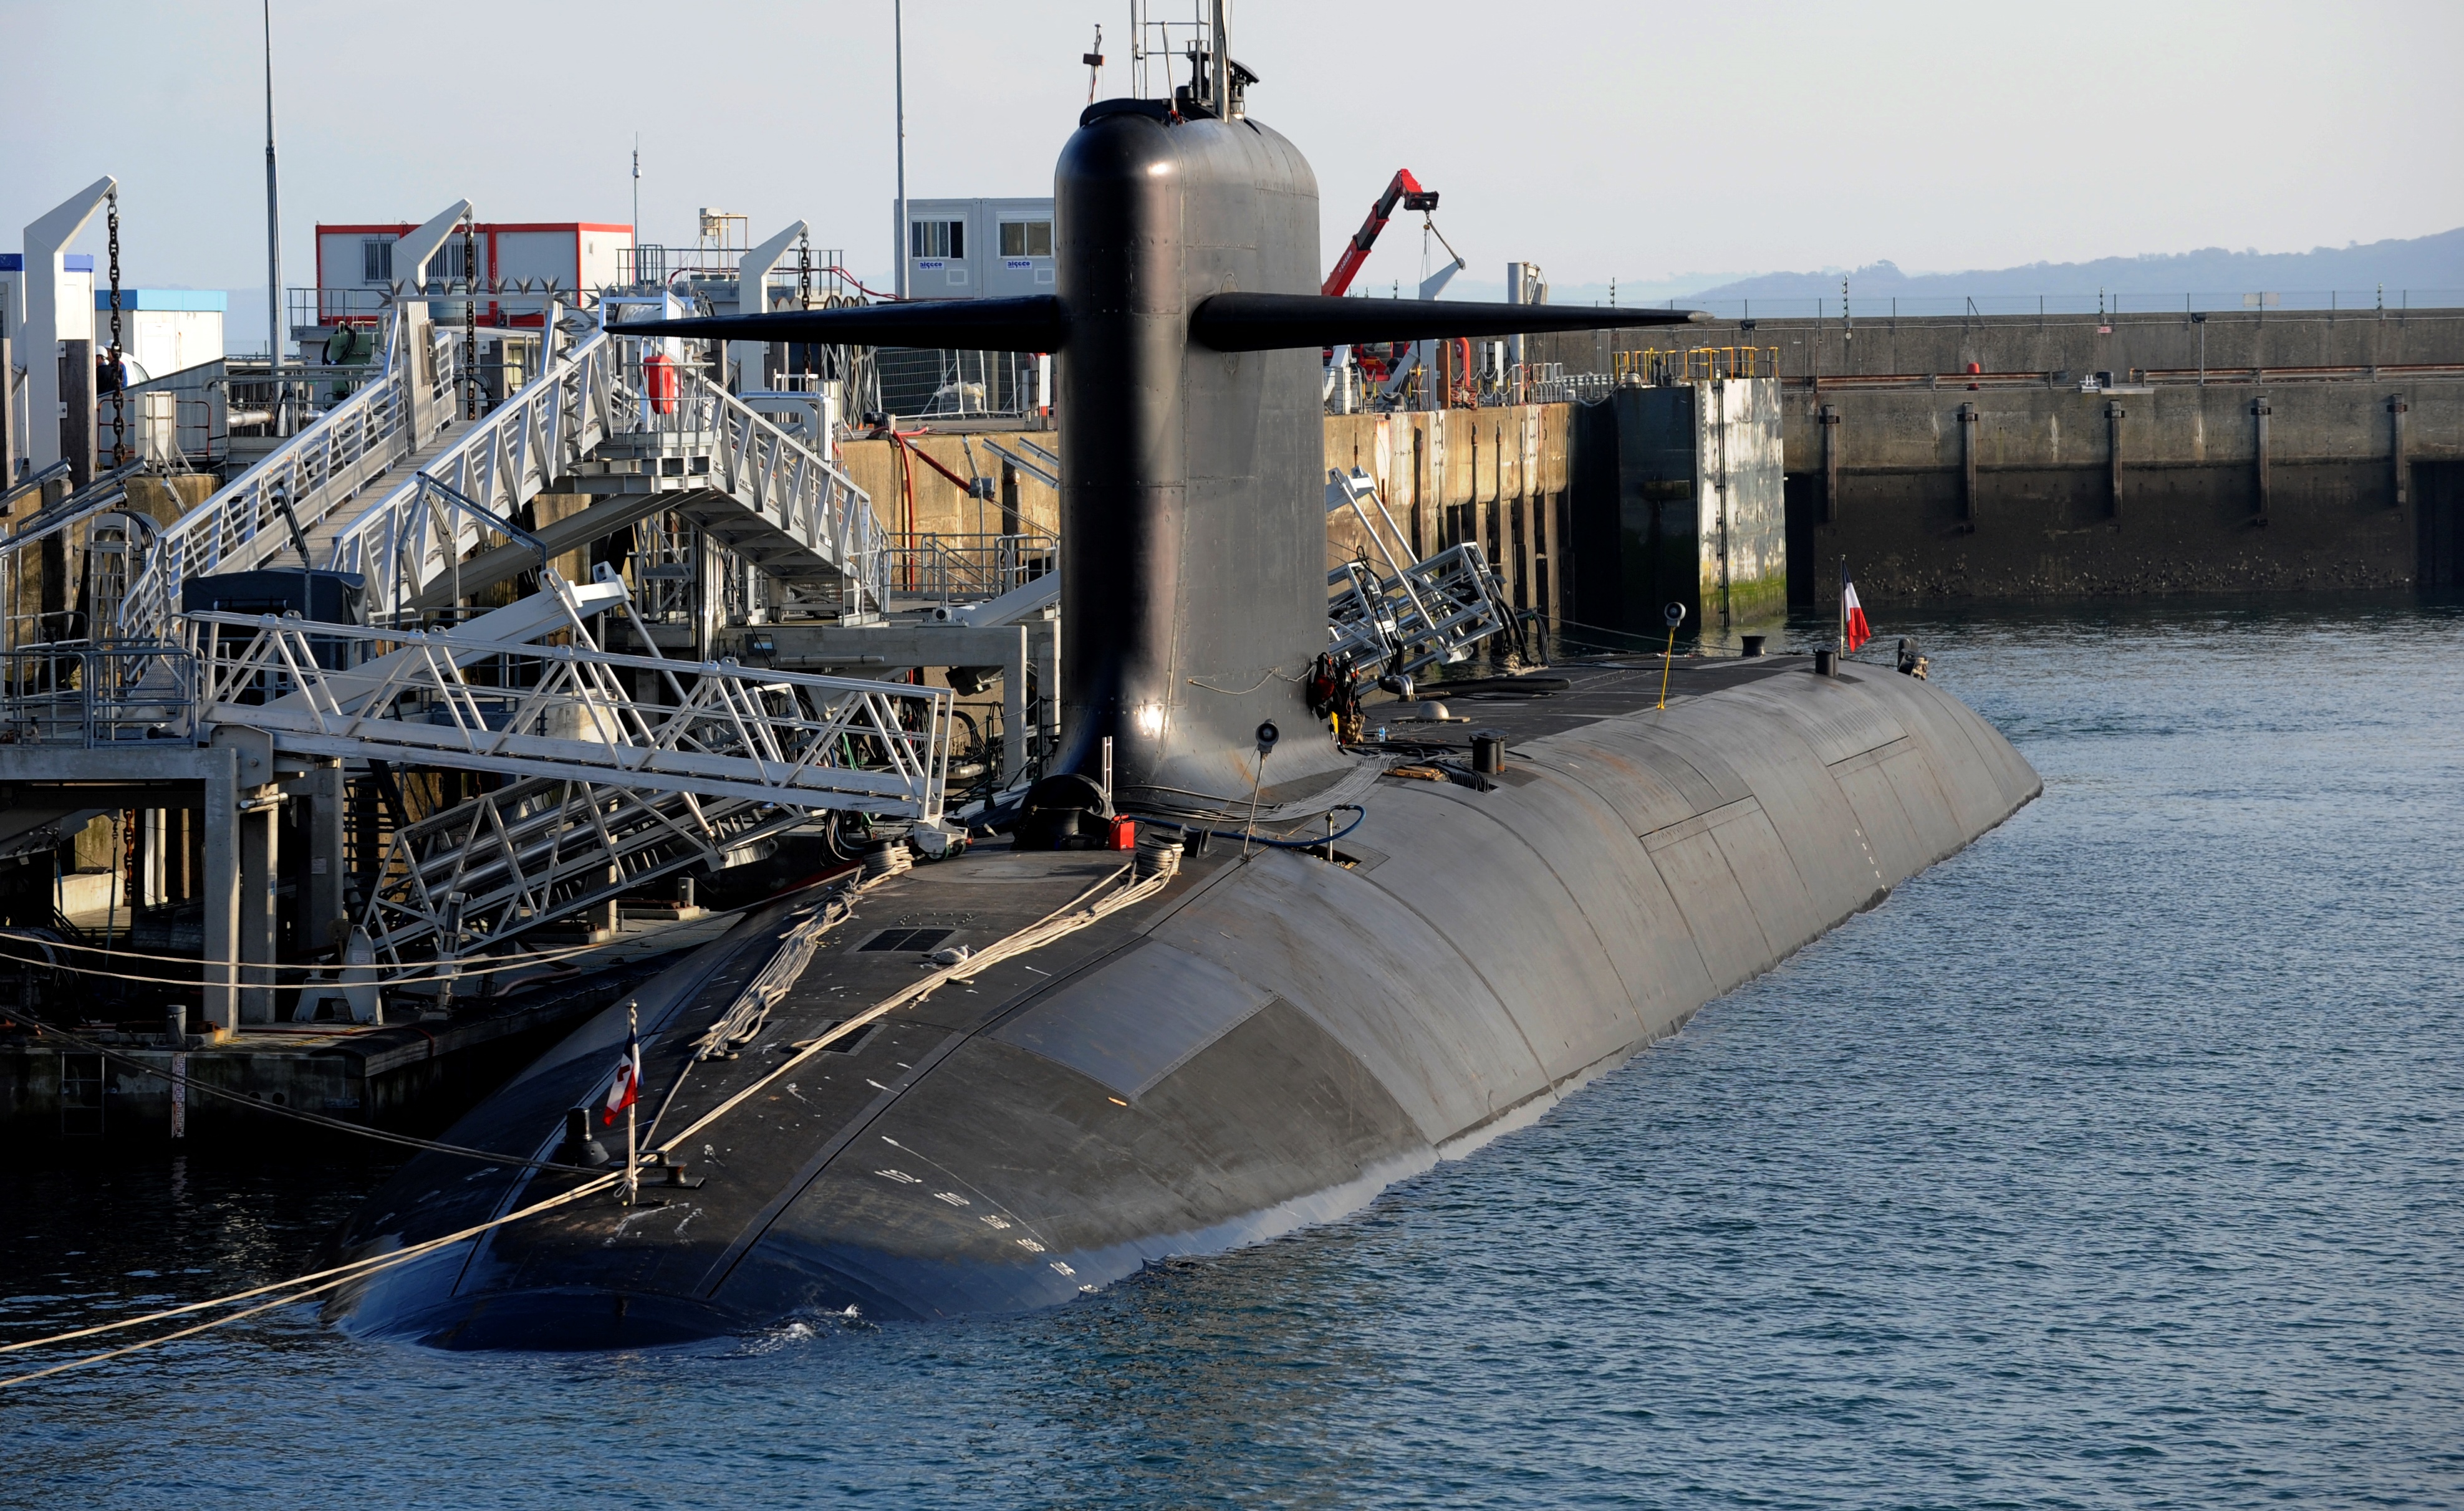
(1263, 1040)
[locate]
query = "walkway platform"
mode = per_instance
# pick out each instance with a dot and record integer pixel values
(403, 1076)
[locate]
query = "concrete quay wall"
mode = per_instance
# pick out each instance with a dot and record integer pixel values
(2078, 345)
(1948, 493)
(2324, 450)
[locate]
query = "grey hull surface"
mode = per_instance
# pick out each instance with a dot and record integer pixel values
(1268, 1043)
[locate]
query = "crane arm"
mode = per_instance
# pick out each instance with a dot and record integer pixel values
(1403, 189)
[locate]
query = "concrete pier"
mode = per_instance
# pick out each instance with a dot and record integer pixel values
(1990, 458)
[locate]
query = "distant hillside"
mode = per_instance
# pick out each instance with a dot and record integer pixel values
(2422, 264)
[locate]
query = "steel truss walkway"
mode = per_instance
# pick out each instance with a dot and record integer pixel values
(399, 417)
(485, 871)
(584, 424)
(493, 695)
(752, 488)
(625, 767)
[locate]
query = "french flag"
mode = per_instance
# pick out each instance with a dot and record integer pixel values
(627, 1089)
(1853, 616)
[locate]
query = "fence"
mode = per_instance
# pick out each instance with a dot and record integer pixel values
(968, 568)
(916, 383)
(86, 694)
(2103, 303)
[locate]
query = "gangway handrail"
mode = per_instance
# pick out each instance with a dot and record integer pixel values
(799, 740)
(820, 505)
(332, 458)
(29, 484)
(581, 400)
(511, 454)
(1050, 478)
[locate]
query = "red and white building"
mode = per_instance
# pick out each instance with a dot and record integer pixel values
(577, 254)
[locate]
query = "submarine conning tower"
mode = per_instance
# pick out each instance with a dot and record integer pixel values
(1186, 326)
(1191, 510)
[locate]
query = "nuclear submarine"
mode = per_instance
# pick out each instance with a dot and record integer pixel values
(1001, 1079)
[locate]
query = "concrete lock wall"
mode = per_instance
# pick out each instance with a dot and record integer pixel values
(2321, 452)
(1680, 499)
(1995, 493)
(1875, 344)
(939, 506)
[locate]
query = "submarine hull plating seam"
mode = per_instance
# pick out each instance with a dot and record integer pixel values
(1349, 1027)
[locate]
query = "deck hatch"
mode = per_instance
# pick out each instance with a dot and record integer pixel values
(917, 939)
(1138, 1019)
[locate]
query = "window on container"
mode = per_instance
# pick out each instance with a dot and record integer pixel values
(1027, 238)
(937, 238)
(376, 261)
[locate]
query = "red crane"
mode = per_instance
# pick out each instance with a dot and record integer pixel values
(1405, 190)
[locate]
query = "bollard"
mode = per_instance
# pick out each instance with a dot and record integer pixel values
(1826, 662)
(579, 1146)
(1754, 645)
(1488, 752)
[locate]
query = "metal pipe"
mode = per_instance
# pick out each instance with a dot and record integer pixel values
(898, 65)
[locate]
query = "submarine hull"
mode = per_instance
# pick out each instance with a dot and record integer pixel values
(1268, 1042)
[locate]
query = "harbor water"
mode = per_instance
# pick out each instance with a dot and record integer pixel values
(2114, 1162)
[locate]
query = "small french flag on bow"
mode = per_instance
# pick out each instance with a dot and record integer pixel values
(1852, 616)
(627, 1089)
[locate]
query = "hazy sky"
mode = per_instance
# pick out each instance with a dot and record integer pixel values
(1633, 141)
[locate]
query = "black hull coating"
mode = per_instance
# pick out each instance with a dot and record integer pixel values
(1193, 481)
(1268, 1044)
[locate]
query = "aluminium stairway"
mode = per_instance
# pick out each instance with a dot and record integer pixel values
(620, 767)
(584, 423)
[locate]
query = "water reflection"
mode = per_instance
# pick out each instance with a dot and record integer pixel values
(2111, 1163)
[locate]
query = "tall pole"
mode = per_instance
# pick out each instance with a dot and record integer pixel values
(1222, 81)
(899, 66)
(637, 207)
(272, 214)
(632, 1145)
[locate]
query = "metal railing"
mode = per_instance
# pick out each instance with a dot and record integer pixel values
(798, 492)
(1682, 365)
(716, 441)
(520, 708)
(418, 531)
(924, 382)
(968, 568)
(81, 693)
(309, 476)
(2109, 302)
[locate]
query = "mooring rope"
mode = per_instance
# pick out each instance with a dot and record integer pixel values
(346, 1273)
(1070, 917)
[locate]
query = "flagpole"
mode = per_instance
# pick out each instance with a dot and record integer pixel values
(1840, 630)
(632, 1160)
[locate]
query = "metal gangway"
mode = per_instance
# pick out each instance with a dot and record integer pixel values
(586, 422)
(622, 767)
(1417, 613)
(404, 416)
